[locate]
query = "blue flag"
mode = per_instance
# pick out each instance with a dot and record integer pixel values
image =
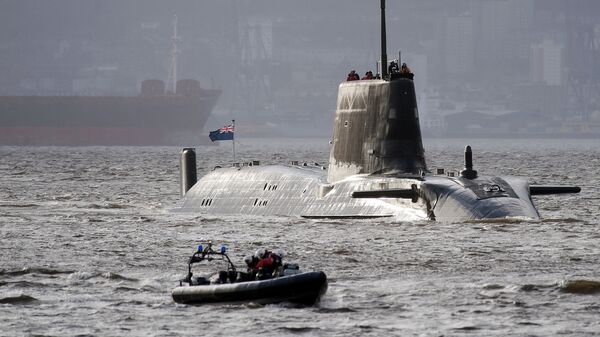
(224, 133)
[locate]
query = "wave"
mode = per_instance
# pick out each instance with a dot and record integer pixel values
(580, 286)
(335, 310)
(467, 328)
(127, 289)
(21, 299)
(25, 205)
(62, 197)
(565, 220)
(85, 275)
(507, 220)
(81, 275)
(25, 284)
(34, 270)
(144, 219)
(131, 302)
(494, 290)
(105, 206)
(115, 276)
(300, 329)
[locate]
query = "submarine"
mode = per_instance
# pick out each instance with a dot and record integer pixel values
(376, 168)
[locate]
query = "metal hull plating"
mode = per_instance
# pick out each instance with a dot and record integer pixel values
(304, 192)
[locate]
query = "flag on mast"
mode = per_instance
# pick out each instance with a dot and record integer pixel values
(224, 133)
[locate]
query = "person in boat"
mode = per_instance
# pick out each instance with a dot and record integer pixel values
(352, 76)
(368, 76)
(268, 265)
(251, 262)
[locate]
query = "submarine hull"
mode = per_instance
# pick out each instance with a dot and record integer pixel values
(304, 191)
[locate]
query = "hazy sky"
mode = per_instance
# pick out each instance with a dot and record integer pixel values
(261, 50)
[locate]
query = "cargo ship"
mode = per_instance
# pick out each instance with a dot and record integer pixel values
(154, 117)
(161, 114)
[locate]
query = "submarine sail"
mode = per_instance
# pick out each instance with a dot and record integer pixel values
(376, 130)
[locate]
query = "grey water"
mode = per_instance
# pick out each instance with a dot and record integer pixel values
(89, 246)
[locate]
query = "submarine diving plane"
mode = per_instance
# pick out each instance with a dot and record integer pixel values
(376, 169)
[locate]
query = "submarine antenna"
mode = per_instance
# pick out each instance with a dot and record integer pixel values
(468, 172)
(384, 73)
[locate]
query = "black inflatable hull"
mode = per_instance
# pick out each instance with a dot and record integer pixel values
(305, 289)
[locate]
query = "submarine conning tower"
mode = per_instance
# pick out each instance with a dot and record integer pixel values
(376, 130)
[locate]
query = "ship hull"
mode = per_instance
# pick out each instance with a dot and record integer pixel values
(104, 120)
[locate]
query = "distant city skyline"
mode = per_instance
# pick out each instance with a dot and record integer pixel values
(282, 60)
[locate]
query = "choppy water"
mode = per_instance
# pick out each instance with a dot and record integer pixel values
(88, 246)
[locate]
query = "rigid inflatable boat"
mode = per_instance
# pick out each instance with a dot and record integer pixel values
(289, 284)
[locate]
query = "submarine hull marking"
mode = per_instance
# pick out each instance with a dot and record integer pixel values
(488, 187)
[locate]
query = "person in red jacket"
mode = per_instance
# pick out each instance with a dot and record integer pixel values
(368, 76)
(267, 263)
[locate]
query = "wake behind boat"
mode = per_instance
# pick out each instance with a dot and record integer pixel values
(267, 281)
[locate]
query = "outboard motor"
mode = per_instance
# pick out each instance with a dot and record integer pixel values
(187, 169)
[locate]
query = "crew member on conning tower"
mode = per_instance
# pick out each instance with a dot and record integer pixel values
(405, 72)
(353, 76)
(368, 76)
(393, 67)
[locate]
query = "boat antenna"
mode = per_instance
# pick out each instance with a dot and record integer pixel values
(383, 43)
(172, 79)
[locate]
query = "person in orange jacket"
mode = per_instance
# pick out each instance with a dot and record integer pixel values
(405, 70)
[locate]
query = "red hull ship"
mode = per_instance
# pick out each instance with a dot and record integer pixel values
(155, 117)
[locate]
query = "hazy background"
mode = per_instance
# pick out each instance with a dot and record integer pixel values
(483, 67)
